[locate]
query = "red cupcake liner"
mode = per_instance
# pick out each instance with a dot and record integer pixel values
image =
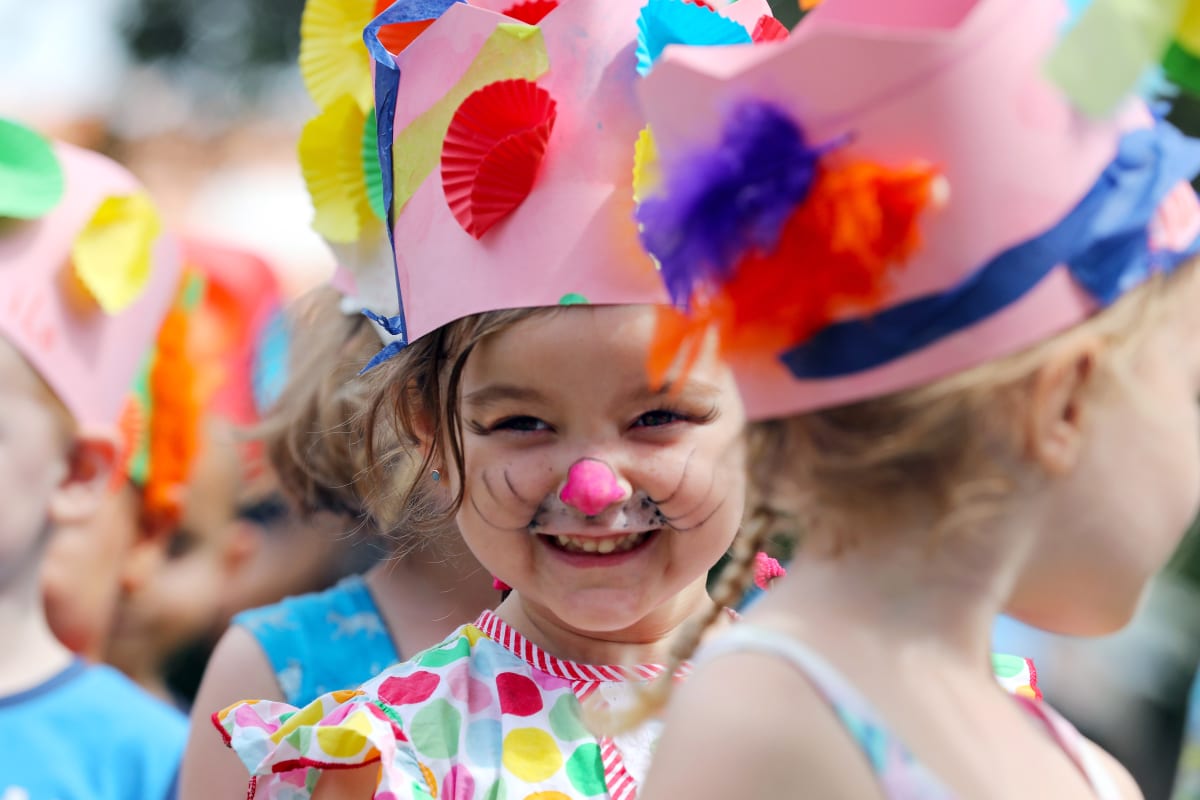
(531, 12)
(768, 29)
(493, 150)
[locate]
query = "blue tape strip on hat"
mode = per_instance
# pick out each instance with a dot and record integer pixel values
(387, 84)
(1104, 242)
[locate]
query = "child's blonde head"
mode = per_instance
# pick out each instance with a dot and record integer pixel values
(951, 451)
(313, 433)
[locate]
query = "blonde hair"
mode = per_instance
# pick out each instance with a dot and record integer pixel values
(949, 444)
(313, 433)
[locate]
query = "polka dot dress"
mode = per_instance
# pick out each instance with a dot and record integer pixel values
(485, 715)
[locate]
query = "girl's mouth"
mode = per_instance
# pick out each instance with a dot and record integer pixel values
(598, 546)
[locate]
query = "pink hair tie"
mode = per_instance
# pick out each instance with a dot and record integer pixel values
(766, 569)
(499, 585)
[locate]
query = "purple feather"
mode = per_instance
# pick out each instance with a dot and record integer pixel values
(719, 204)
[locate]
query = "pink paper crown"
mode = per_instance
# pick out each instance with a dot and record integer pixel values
(935, 201)
(507, 137)
(84, 287)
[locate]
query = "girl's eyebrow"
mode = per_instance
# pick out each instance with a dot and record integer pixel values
(698, 390)
(506, 392)
(501, 392)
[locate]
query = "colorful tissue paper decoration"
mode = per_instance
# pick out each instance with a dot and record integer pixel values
(506, 134)
(765, 216)
(493, 149)
(1113, 43)
(910, 257)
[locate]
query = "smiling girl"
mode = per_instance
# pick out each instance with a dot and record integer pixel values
(519, 388)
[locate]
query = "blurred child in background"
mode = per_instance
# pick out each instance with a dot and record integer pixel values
(85, 281)
(89, 565)
(304, 646)
(234, 522)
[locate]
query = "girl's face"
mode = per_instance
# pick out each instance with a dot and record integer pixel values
(602, 501)
(1119, 515)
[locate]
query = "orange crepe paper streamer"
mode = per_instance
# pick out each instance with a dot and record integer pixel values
(174, 424)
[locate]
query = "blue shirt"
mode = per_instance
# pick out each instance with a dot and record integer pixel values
(88, 733)
(318, 643)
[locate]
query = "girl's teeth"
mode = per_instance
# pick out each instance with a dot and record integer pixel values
(600, 546)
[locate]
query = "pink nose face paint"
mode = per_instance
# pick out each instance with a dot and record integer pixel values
(591, 487)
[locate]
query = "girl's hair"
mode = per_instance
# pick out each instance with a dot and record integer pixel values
(313, 433)
(414, 423)
(950, 445)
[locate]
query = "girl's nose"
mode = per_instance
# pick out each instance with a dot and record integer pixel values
(592, 486)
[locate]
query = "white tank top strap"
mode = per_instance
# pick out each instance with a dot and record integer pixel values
(856, 711)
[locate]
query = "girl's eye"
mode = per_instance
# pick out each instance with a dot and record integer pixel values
(521, 425)
(658, 418)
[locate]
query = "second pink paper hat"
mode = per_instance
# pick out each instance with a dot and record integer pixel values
(1004, 214)
(84, 283)
(507, 137)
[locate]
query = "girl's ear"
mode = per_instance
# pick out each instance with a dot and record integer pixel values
(425, 431)
(1061, 402)
(90, 461)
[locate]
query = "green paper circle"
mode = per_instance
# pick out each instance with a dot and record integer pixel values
(372, 172)
(572, 299)
(31, 178)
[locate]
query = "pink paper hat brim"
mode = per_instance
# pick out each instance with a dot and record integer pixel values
(87, 357)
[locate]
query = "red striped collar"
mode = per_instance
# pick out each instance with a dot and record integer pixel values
(507, 637)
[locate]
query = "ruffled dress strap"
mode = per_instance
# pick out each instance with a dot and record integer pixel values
(900, 774)
(340, 730)
(1076, 747)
